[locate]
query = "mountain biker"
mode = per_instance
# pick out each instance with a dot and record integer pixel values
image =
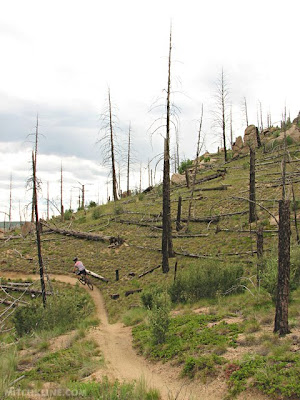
(79, 268)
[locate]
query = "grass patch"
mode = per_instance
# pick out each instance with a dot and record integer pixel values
(106, 390)
(188, 336)
(73, 363)
(134, 316)
(274, 375)
(63, 312)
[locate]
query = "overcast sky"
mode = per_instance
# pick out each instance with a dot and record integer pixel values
(59, 57)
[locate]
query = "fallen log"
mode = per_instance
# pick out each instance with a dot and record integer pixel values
(149, 271)
(12, 303)
(18, 289)
(129, 292)
(223, 187)
(219, 174)
(94, 275)
(84, 235)
(114, 296)
(215, 218)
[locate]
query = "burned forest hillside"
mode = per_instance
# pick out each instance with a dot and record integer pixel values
(212, 315)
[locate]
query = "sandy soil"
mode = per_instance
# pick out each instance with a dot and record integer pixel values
(124, 364)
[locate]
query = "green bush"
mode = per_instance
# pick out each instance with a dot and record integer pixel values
(63, 312)
(68, 214)
(184, 165)
(92, 204)
(118, 209)
(149, 296)
(206, 364)
(96, 214)
(204, 281)
(268, 277)
(289, 141)
(160, 318)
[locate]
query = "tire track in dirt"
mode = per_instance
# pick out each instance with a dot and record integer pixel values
(122, 362)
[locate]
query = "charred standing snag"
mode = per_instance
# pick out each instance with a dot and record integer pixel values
(283, 284)
(252, 202)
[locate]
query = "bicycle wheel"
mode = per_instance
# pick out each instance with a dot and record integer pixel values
(89, 283)
(82, 280)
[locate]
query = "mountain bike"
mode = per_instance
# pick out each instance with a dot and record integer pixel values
(84, 280)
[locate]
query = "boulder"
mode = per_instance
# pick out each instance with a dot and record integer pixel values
(177, 179)
(237, 146)
(250, 137)
(27, 228)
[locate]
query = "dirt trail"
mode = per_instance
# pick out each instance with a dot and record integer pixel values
(122, 363)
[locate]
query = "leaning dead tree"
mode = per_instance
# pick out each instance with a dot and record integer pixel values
(245, 110)
(283, 278)
(252, 205)
(128, 157)
(221, 108)
(62, 214)
(38, 228)
(107, 142)
(198, 150)
(167, 243)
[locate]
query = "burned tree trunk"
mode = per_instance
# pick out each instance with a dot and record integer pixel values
(178, 224)
(252, 205)
(281, 316)
(167, 244)
(260, 242)
(38, 230)
(112, 151)
(187, 178)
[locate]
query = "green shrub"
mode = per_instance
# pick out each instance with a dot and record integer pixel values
(96, 214)
(204, 281)
(269, 272)
(92, 204)
(184, 165)
(63, 312)
(206, 364)
(118, 209)
(160, 318)
(289, 140)
(68, 214)
(141, 196)
(276, 133)
(148, 297)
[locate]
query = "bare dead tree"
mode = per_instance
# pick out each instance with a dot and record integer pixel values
(10, 200)
(35, 155)
(283, 277)
(261, 117)
(231, 130)
(220, 113)
(61, 194)
(38, 228)
(245, 110)
(252, 202)
(198, 150)
(48, 201)
(167, 244)
(128, 156)
(283, 281)
(107, 142)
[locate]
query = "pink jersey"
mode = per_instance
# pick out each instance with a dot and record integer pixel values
(80, 266)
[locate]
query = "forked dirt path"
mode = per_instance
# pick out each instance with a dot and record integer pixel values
(122, 363)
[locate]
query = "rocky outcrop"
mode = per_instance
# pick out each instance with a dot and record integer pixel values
(178, 179)
(250, 136)
(237, 146)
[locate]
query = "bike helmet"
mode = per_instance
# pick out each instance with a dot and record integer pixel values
(75, 259)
